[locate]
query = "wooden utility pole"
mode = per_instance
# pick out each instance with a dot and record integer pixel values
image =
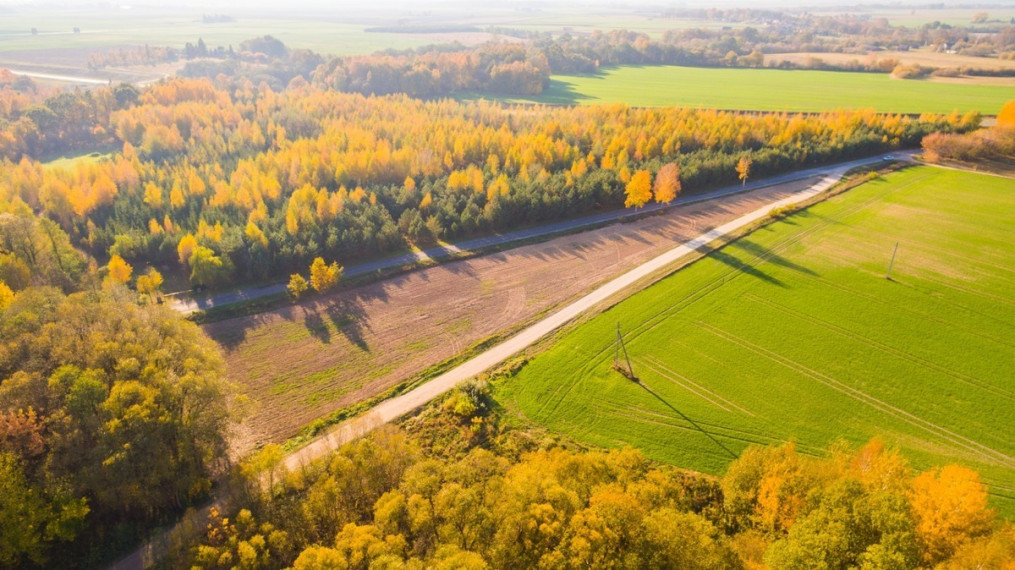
(892, 262)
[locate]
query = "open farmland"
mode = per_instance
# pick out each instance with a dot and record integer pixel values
(793, 333)
(319, 29)
(923, 56)
(919, 15)
(355, 344)
(768, 90)
(110, 27)
(107, 26)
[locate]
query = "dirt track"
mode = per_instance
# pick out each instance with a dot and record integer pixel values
(305, 361)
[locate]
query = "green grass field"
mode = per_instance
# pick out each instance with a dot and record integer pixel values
(112, 27)
(328, 32)
(71, 160)
(916, 16)
(793, 333)
(768, 90)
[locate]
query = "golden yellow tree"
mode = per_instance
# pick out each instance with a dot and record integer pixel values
(119, 270)
(950, 507)
(667, 183)
(744, 168)
(324, 276)
(1006, 118)
(6, 295)
(639, 189)
(186, 247)
(297, 285)
(149, 283)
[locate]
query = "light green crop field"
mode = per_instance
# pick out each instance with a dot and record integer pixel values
(581, 19)
(71, 160)
(768, 90)
(793, 333)
(916, 16)
(328, 32)
(113, 27)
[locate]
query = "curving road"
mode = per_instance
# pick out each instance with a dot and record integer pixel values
(394, 408)
(187, 305)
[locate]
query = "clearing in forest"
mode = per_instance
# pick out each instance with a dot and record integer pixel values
(794, 333)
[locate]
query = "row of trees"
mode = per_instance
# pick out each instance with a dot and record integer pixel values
(455, 490)
(506, 68)
(995, 143)
(515, 68)
(112, 412)
(253, 183)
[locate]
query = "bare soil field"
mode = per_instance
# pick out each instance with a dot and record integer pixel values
(917, 56)
(303, 362)
(922, 57)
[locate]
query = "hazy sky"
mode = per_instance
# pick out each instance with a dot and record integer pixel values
(408, 5)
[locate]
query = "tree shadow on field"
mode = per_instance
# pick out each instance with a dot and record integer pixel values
(807, 213)
(342, 312)
(347, 311)
(462, 268)
(769, 256)
(317, 327)
(735, 263)
(230, 333)
(689, 420)
(562, 93)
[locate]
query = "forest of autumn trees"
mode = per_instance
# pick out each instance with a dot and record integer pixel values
(454, 489)
(112, 413)
(248, 183)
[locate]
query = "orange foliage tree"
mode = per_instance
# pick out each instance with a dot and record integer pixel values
(667, 183)
(950, 506)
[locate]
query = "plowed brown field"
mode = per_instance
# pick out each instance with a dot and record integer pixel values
(306, 361)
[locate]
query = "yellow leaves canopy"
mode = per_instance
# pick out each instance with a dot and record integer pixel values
(185, 248)
(149, 283)
(744, 168)
(1007, 115)
(6, 295)
(950, 506)
(667, 183)
(297, 285)
(119, 270)
(324, 276)
(639, 189)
